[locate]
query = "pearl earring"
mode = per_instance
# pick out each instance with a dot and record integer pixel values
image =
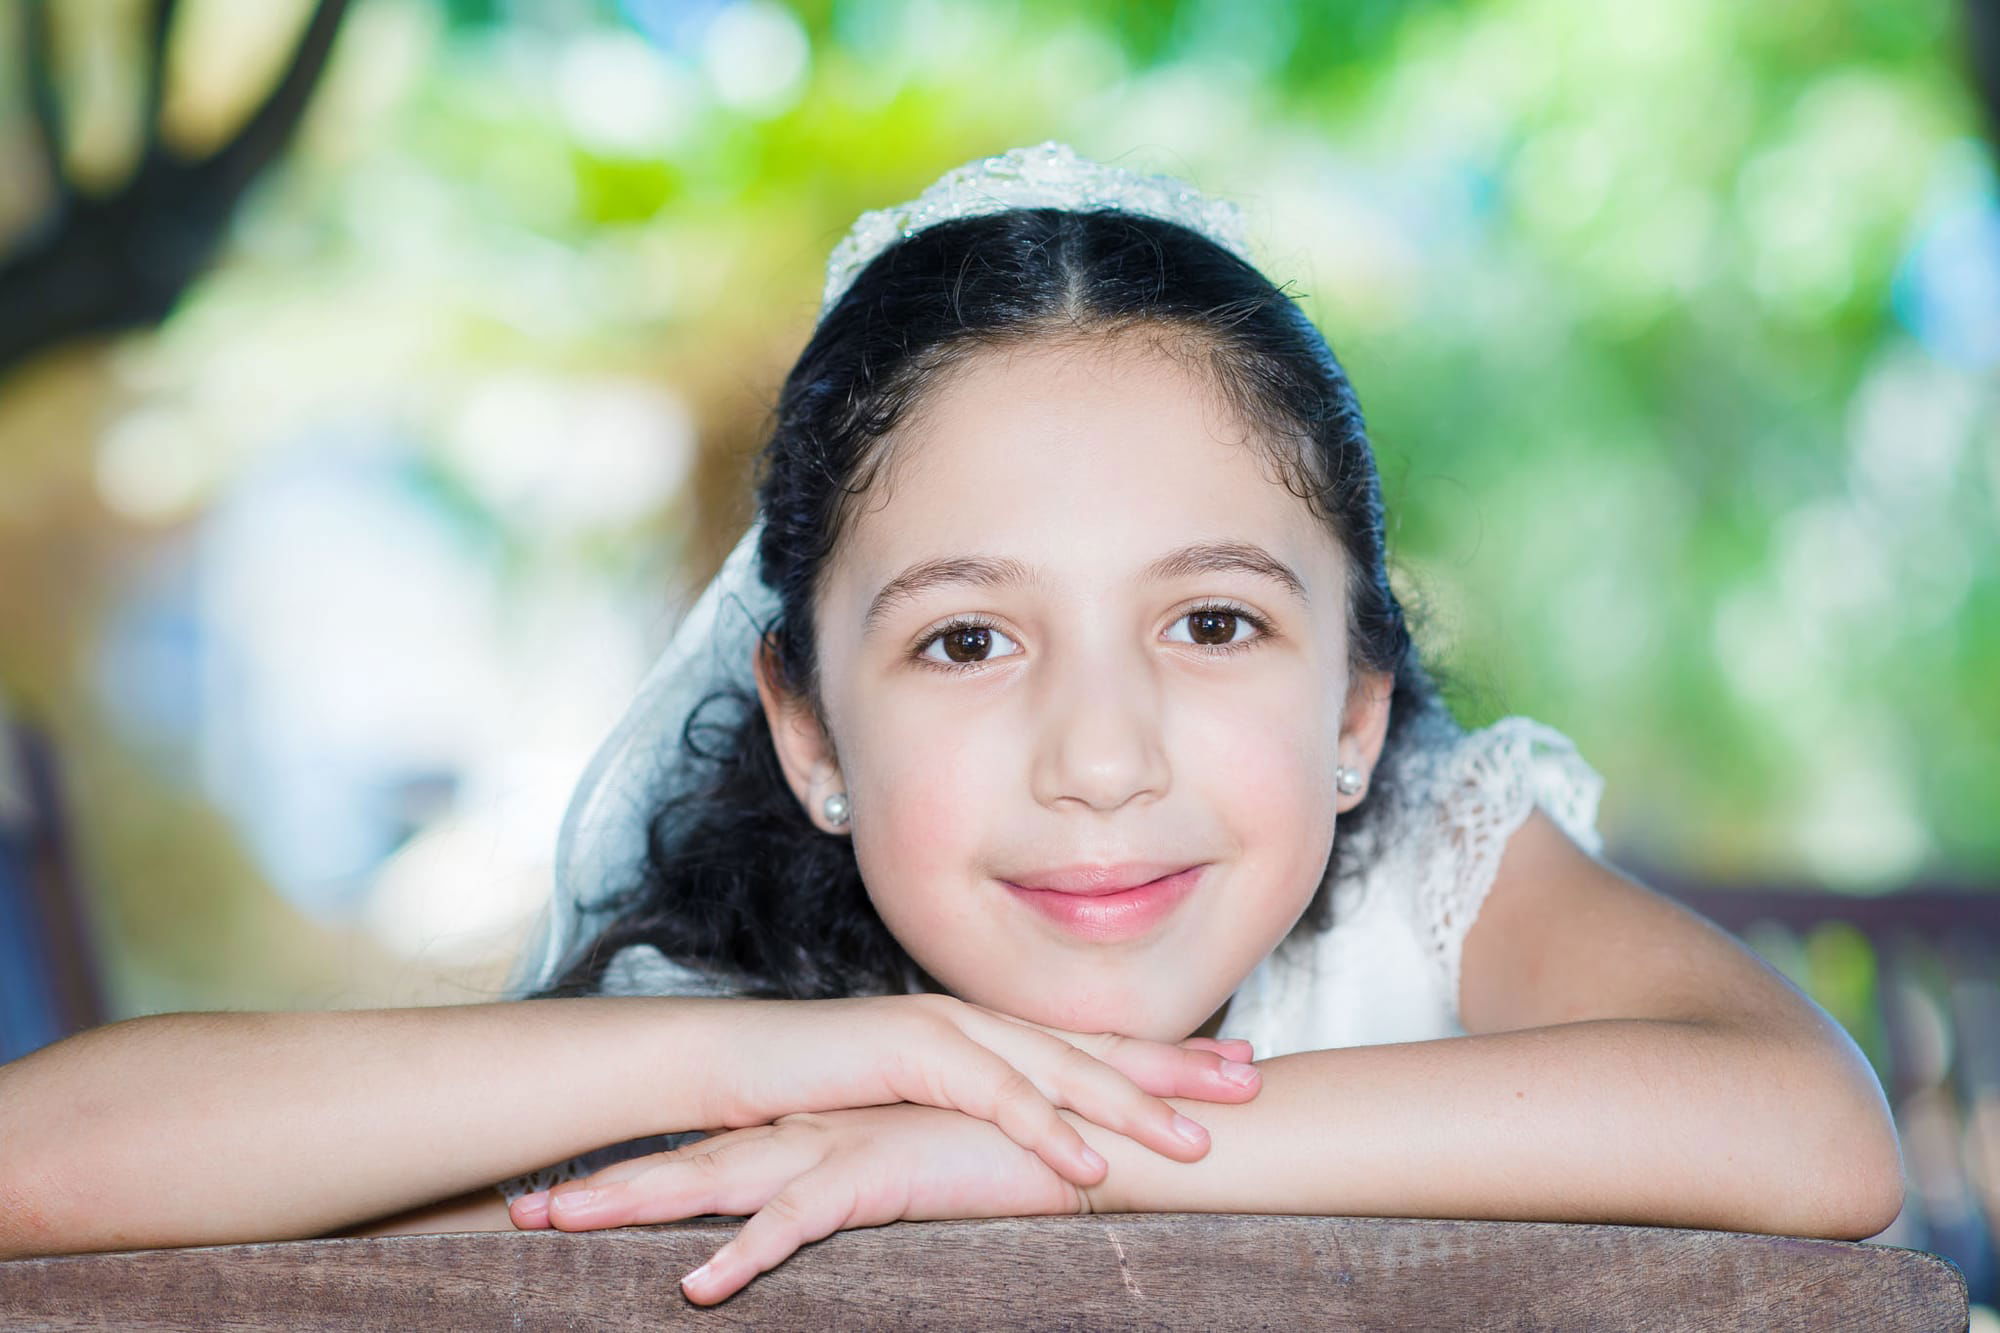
(1349, 780)
(836, 808)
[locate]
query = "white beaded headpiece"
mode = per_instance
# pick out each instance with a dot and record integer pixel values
(1048, 175)
(603, 835)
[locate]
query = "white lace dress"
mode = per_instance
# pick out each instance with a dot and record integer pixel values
(1386, 970)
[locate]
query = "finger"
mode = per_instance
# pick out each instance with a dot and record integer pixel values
(1071, 1076)
(1100, 1093)
(1232, 1048)
(530, 1212)
(965, 1075)
(734, 1178)
(676, 1192)
(1173, 1071)
(1160, 1068)
(627, 1168)
(812, 1207)
(574, 1207)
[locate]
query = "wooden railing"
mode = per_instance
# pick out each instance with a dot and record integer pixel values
(1141, 1270)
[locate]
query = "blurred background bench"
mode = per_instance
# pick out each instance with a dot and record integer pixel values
(1166, 1270)
(1914, 976)
(49, 985)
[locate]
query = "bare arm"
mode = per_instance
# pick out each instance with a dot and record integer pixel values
(475, 1210)
(1627, 1061)
(197, 1129)
(212, 1128)
(1639, 1122)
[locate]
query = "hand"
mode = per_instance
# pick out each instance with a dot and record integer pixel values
(790, 1056)
(807, 1176)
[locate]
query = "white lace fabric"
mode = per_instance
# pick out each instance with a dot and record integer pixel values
(1388, 968)
(1484, 791)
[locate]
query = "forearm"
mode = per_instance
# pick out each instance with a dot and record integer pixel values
(1644, 1122)
(187, 1129)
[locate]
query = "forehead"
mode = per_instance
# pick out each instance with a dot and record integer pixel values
(1087, 460)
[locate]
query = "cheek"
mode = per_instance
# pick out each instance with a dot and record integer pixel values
(921, 809)
(1267, 767)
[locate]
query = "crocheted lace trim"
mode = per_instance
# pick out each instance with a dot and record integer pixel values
(1485, 789)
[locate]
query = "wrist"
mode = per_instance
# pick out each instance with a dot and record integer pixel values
(695, 1049)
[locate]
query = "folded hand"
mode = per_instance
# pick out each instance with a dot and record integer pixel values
(808, 1175)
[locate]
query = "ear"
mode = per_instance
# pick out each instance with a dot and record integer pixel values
(1363, 729)
(804, 752)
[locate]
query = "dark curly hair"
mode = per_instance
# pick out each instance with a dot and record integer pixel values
(737, 883)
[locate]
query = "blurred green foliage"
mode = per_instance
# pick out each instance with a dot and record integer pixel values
(1617, 284)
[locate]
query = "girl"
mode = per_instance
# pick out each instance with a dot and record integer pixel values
(1067, 722)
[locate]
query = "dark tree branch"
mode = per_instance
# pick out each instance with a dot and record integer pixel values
(38, 41)
(270, 126)
(1982, 27)
(153, 91)
(109, 263)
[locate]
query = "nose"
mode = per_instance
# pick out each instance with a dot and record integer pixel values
(1098, 738)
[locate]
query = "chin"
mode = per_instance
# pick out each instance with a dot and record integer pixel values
(1126, 1016)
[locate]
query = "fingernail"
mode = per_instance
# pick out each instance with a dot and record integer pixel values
(1240, 1074)
(1091, 1159)
(1189, 1130)
(696, 1276)
(572, 1200)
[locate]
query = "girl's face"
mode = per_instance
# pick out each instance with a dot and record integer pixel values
(1077, 713)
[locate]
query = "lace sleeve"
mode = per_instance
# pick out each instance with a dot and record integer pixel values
(1484, 790)
(638, 969)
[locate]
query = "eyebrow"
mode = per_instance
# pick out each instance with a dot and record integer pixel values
(1000, 572)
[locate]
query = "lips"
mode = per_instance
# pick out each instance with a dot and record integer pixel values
(1112, 914)
(1092, 881)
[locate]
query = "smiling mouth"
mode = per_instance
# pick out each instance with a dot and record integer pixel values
(1115, 914)
(1098, 880)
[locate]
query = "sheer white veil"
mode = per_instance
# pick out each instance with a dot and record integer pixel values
(602, 841)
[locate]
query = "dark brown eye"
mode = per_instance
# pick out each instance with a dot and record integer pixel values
(1216, 627)
(966, 643)
(1212, 628)
(970, 644)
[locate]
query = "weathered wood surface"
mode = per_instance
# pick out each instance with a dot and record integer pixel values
(1141, 1270)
